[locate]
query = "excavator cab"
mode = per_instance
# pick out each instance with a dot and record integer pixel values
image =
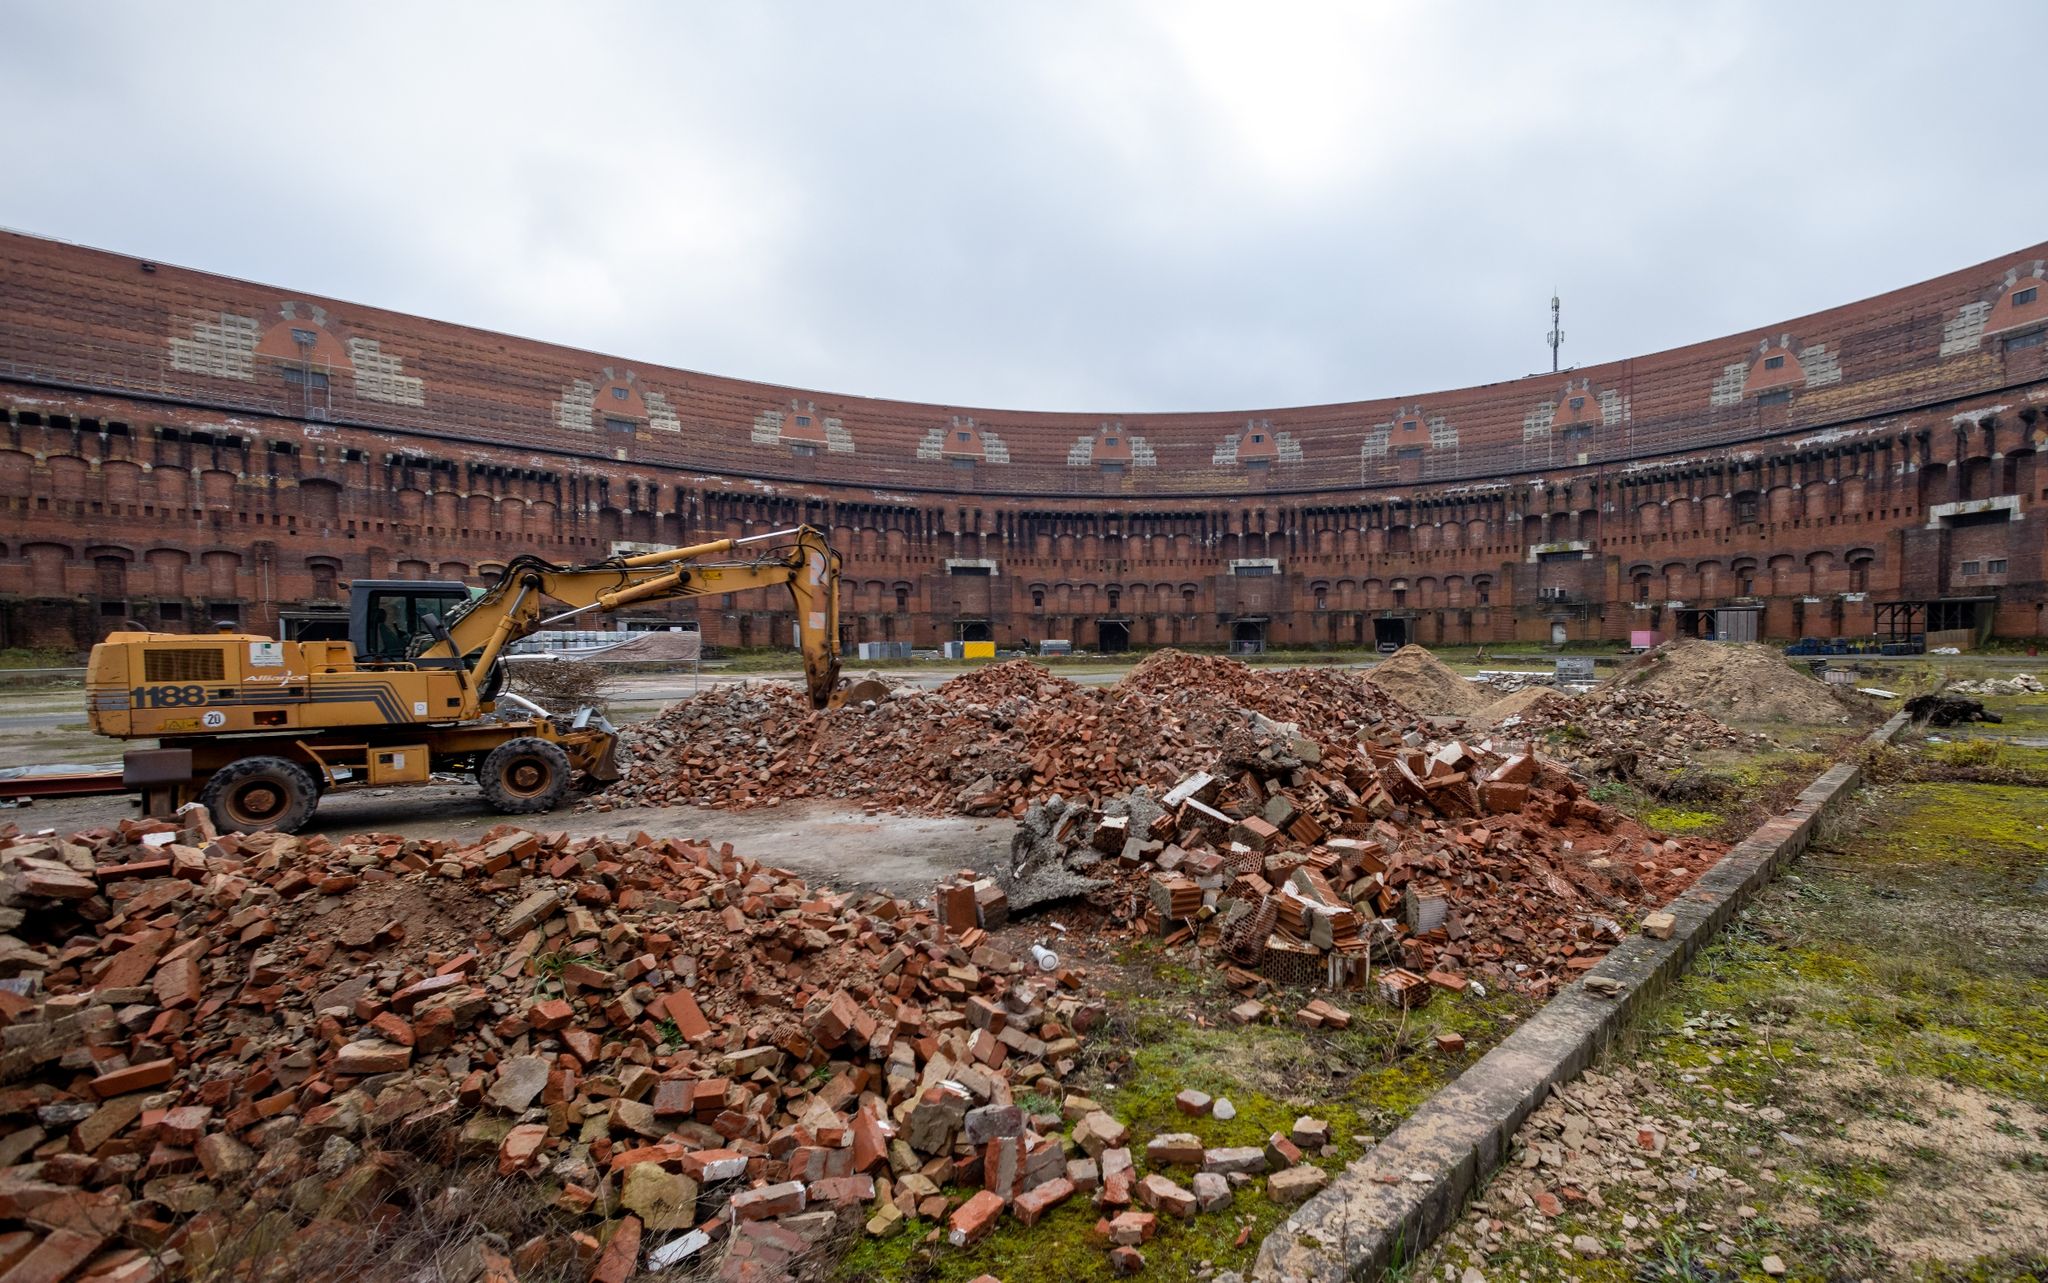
(385, 615)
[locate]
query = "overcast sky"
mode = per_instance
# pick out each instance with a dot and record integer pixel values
(1089, 205)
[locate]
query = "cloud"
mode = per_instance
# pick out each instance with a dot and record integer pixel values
(1096, 206)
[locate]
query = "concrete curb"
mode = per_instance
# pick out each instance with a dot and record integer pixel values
(1390, 1204)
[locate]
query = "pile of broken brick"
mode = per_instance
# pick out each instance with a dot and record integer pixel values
(989, 742)
(259, 1055)
(1398, 868)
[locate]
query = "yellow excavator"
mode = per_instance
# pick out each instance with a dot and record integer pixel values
(258, 729)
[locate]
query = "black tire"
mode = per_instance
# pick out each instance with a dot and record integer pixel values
(259, 793)
(524, 775)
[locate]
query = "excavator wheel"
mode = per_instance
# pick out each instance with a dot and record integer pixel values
(524, 775)
(259, 793)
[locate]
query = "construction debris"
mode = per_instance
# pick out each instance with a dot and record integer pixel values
(1943, 709)
(1393, 866)
(215, 1043)
(990, 742)
(2017, 684)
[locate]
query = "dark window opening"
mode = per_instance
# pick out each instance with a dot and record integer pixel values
(305, 338)
(1109, 440)
(113, 610)
(965, 436)
(1995, 566)
(2021, 342)
(1258, 438)
(624, 427)
(1409, 452)
(803, 420)
(1970, 567)
(803, 450)
(1778, 397)
(1578, 403)
(1774, 363)
(1964, 520)
(1746, 509)
(618, 394)
(2020, 298)
(903, 599)
(283, 447)
(314, 379)
(171, 611)
(1037, 599)
(983, 571)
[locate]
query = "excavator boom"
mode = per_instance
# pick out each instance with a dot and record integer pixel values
(799, 559)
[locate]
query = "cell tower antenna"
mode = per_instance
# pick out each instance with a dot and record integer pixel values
(1556, 336)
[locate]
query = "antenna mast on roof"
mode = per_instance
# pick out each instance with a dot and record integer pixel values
(1556, 336)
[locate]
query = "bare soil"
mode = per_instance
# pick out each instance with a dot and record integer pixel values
(1420, 681)
(1741, 682)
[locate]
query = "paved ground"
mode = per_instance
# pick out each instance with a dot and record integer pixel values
(903, 855)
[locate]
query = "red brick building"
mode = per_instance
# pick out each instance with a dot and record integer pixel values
(181, 447)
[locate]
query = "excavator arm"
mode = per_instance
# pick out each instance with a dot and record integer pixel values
(477, 633)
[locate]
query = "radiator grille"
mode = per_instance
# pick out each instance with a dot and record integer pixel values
(182, 665)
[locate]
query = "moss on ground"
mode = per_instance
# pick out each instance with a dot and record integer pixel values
(1899, 963)
(1168, 1032)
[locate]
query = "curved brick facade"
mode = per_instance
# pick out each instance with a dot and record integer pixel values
(180, 446)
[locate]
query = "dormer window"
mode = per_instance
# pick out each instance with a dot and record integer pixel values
(2020, 298)
(618, 394)
(1578, 403)
(1774, 363)
(965, 436)
(803, 420)
(1258, 437)
(1109, 441)
(307, 338)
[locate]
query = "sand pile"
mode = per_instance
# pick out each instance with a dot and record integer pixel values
(1741, 680)
(1419, 680)
(1538, 701)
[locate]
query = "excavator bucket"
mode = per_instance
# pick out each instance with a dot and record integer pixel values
(603, 759)
(866, 688)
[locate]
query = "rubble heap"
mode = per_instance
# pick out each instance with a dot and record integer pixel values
(986, 743)
(1404, 866)
(1618, 730)
(1744, 680)
(215, 1044)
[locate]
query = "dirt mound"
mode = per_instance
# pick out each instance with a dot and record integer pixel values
(1420, 681)
(1741, 680)
(1539, 701)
